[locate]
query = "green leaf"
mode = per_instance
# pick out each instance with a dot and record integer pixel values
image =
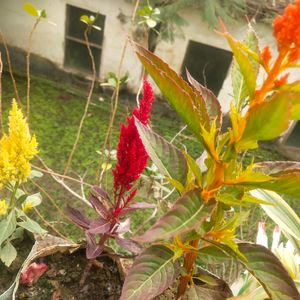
(8, 253)
(194, 168)
(32, 226)
(265, 121)
(85, 19)
(34, 199)
(30, 9)
(187, 102)
(212, 104)
(286, 177)
(268, 270)
(212, 255)
(169, 160)
(245, 65)
(280, 212)
(295, 99)
(187, 213)
(151, 273)
(239, 87)
(35, 174)
(8, 226)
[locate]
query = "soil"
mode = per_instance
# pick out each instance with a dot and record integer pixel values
(61, 280)
(7, 275)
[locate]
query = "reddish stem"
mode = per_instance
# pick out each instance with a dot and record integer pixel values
(189, 263)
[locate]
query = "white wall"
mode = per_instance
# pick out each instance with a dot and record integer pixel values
(48, 40)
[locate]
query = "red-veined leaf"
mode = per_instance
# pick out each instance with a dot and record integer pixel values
(212, 104)
(188, 103)
(152, 272)
(187, 213)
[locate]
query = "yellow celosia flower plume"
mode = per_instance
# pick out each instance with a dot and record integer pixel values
(16, 149)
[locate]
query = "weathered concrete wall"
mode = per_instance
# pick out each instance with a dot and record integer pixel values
(48, 40)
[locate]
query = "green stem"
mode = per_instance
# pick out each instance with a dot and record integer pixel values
(13, 196)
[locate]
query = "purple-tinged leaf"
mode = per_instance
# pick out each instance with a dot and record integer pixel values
(99, 226)
(129, 245)
(98, 206)
(137, 206)
(123, 226)
(152, 272)
(100, 193)
(212, 104)
(187, 213)
(77, 217)
(93, 250)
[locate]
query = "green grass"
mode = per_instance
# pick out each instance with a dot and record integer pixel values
(56, 110)
(55, 114)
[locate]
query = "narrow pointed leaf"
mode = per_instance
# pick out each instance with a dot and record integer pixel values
(98, 206)
(93, 250)
(77, 217)
(151, 273)
(99, 226)
(212, 104)
(171, 165)
(239, 87)
(129, 245)
(187, 102)
(280, 212)
(265, 121)
(187, 213)
(245, 65)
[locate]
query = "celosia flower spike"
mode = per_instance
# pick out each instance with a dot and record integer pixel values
(16, 149)
(287, 31)
(131, 155)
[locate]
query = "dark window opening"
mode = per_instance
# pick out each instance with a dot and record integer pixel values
(76, 52)
(294, 138)
(208, 65)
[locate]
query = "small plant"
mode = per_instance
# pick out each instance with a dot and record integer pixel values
(113, 211)
(17, 148)
(214, 194)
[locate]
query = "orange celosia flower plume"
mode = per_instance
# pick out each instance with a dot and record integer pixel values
(287, 31)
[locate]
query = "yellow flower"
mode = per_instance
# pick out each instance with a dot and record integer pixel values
(3, 207)
(16, 149)
(27, 206)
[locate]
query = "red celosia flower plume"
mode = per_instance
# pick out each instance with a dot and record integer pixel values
(131, 155)
(287, 31)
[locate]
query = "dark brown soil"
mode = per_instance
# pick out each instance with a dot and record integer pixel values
(61, 280)
(7, 275)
